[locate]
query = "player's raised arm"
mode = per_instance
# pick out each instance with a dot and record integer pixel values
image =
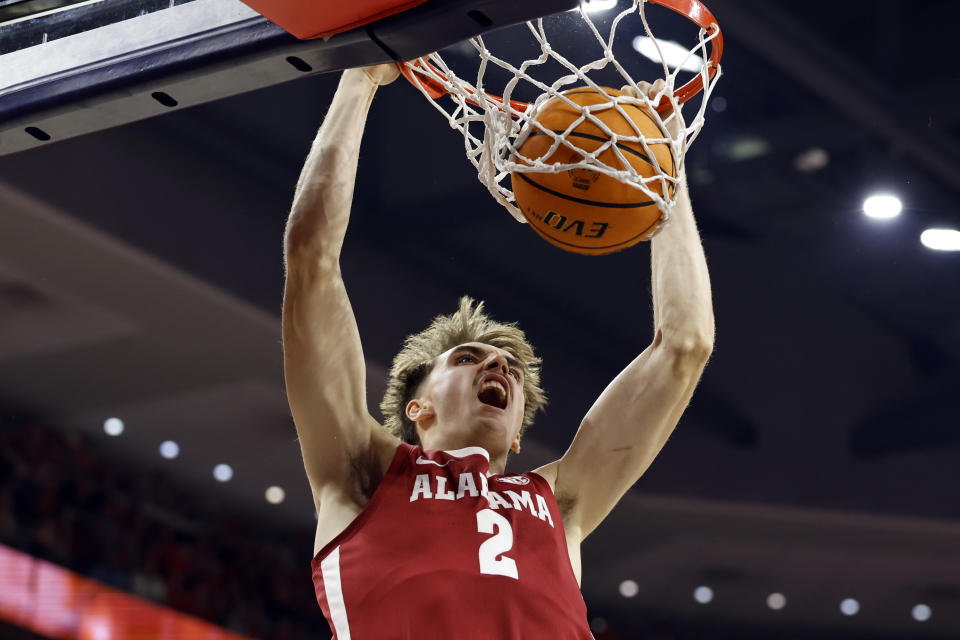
(323, 359)
(629, 423)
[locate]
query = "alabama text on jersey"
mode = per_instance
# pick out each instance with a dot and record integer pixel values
(444, 550)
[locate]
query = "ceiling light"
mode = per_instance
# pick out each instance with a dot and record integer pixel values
(593, 6)
(747, 148)
(113, 426)
(223, 472)
(719, 104)
(921, 613)
(776, 601)
(629, 588)
(674, 53)
(849, 607)
(275, 495)
(811, 160)
(169, 449)
(599, 625)
(701, 175)
(882, 206)
(941, 239)
(703, 595)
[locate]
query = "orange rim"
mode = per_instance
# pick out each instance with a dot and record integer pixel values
(692, 9)
(701, 16)
(434, 88)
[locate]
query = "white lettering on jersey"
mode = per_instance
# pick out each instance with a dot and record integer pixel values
(514, 479)
(421, 487)
(442, 492)
(534, 503)
(544, 513)
(496, 500)
(493, 558)
(522, 500)
(466, 485)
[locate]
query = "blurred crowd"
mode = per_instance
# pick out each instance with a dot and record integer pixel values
(62, 501)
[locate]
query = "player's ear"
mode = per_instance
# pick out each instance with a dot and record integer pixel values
(420, 411)
(516, 444)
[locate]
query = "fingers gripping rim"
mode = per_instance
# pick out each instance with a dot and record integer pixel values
(428, 84)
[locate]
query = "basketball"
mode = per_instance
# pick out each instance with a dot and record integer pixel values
(582, 210)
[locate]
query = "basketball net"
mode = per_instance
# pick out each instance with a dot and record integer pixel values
(506, 123)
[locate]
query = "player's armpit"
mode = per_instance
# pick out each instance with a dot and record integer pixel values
(624, 431)
(326, 375)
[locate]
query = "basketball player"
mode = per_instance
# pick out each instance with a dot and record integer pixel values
(420, 533)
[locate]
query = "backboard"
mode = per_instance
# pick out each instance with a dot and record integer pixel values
(87, 66)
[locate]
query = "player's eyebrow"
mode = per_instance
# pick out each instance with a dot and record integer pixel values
(479, 353)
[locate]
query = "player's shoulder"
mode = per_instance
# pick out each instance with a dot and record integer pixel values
(549, 473)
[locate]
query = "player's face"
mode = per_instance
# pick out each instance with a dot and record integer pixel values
(475, 386)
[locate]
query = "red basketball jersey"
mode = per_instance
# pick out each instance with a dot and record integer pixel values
(445, 551)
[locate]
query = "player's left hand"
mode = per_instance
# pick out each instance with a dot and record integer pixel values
(650, 91)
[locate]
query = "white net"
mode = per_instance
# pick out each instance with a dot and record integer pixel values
(494, 129)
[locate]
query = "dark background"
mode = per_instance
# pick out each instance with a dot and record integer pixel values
(141, 277)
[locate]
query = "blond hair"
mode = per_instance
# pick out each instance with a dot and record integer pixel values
(416, 359)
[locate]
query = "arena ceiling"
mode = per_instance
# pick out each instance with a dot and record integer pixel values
(141, 276)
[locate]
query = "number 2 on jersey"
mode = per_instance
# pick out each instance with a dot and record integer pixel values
(489, 521)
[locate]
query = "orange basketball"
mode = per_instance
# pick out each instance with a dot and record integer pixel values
(582, 210)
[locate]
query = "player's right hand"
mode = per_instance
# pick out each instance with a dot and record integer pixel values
(382, 74)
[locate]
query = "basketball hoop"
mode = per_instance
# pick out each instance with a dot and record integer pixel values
(507, 122)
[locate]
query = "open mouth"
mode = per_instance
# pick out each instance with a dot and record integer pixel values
(493, 393)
